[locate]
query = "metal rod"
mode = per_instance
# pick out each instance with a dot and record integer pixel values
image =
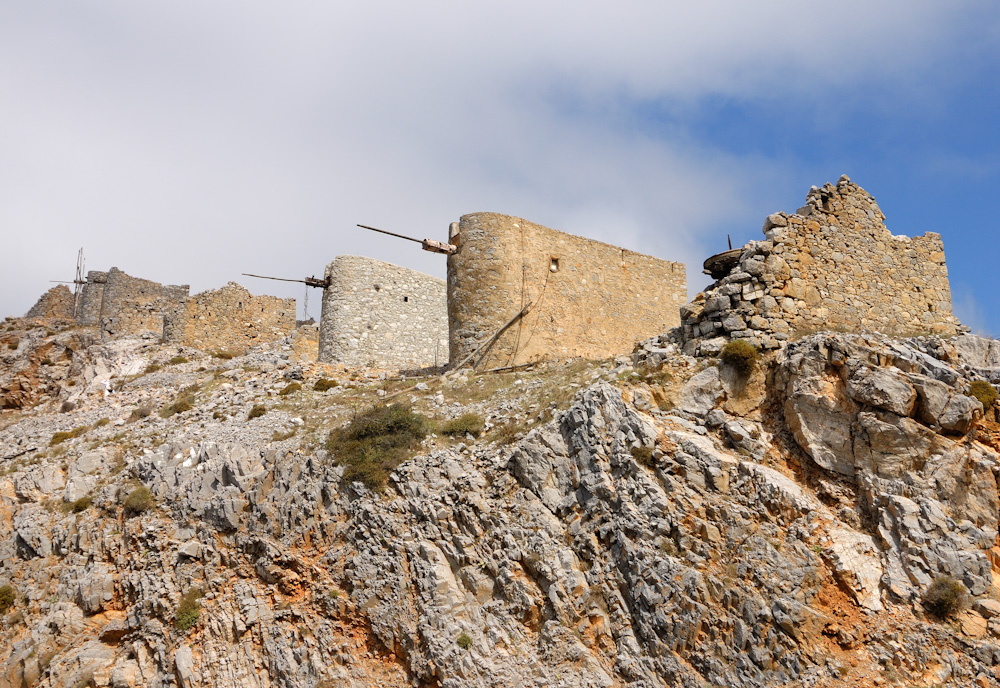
(398, 236)
(280, 279)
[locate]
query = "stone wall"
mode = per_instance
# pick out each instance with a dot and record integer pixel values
(92, 297)
(58, 303)
(133, 306)
(832, 265)
(229, 319)
(587, 298)
(382, 315)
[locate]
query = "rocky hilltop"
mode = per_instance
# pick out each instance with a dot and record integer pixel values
(664, 520)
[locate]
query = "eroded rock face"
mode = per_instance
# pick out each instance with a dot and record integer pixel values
(617, 544)
(874, 409)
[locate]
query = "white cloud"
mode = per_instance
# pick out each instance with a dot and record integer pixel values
(190, 142)
(968, 310)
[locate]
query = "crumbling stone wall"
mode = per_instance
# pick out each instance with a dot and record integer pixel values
(57, 303)
(383, 315)
(229, 319)
(133, 306)
(92, 297)
(586, 298)
(832, 265)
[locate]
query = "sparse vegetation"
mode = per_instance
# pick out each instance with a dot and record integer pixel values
(508, 433)
(464, 641)
(177, 360)
(945, 597)
(101, 422)
(13, 343)
(188, 610)
(323, 384)
(290, 388)
(644, 456)
(741, 355)
(66, 407)
(223, 355)
(985, 392)
(372, 445)
(81, 504)
(185, 402)
(152, 368)
(60, 437)
(6, 598)
(219, 415)
(279, 436)
(257, 411)
(139, 501)
(144, 410)
(466, 424)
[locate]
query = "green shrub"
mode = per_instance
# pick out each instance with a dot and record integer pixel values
(6, 598)
(372, 445)
(81, 505)
(66, 407)
(741, 355)
(985, 392)
(139, 500)
(644, 456)
(257, 411)
(176, 360)
(219, 415)
(944, 597)
(101, 422)
(152, 368)
(464, 641)
(323, 384)
(290, 388)
(189, 609)
(61, 437)
(466, 424)
(222, 355)
(185, 402)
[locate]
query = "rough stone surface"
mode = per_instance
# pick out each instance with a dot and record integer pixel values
(57, 302)
(611, 540)
(134, 306)
(229, 319)
(587, 298)
(831, 265)
(382, 315)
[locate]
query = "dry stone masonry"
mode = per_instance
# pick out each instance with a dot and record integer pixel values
(229, 319)
(57, 303)
(91, 298)
(134, 306)
(382, 315)
(586, 298)
(832, 265)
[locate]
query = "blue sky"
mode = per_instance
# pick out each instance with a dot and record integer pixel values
(188, 142)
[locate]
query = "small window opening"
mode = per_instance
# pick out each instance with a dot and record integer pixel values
(554, 265)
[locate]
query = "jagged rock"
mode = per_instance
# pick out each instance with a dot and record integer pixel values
(612, 545)
(702, 392)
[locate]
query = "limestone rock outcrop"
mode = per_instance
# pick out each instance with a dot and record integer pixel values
(776, 530)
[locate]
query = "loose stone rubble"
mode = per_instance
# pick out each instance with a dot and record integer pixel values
(831, 265)
(665, 523)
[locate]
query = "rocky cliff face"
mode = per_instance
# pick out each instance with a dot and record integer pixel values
(671, 524)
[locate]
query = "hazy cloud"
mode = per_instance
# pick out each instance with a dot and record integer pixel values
(188, 142)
